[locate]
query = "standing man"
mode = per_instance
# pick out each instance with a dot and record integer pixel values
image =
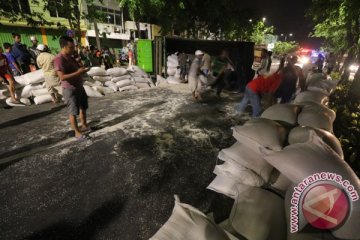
(263, 69)
(45, 61)
(11, 60)
(220, 68)
(34, 51)
(74, 93)
(6, 77)
(194, 72)
(21, 54)
(183, 62)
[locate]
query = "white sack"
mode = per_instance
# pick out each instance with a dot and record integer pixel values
(172, 64)
(124, 83)
(96, 71)
(261, 132)
(90, 92)
(282, 112)
(39, 92)
(313, 116)
(141, 80)
(24, 102)
(42, 99)
(315, 97)
(281, 182)
(258, 214)
(34, 77)
(188, 223)
(103, 90)
(303, 135)
(302, 160)
(244, 156)
(116, 72)
(142, 85)
(240, 174)
(173, 80)
(128, 88)
(125, 77)
(102, 78)
(20, 80)
(171, 71)
(27, 90)
(224, 185)
(112, 86)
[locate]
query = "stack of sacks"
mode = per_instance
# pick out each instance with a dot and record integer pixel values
(120, 78)
(141, 78)
(244, 163)
(188, 223)
(318, 82)
(308, 96)
(173, 70)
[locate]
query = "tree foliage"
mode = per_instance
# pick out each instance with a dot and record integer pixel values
(285, 47)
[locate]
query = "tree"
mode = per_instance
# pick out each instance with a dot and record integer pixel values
(285, 47)
(259, 32)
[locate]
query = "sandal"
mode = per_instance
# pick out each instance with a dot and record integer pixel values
(87, 129)
(83, 138)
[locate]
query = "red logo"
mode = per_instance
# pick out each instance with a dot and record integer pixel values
(325, 206)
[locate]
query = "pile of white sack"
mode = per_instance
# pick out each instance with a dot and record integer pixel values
(288, 143)
(173, 69)
(98, 83)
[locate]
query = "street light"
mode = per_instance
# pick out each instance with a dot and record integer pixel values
(264, 19)
(250, 20)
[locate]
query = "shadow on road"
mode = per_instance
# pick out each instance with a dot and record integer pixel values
(87, 229)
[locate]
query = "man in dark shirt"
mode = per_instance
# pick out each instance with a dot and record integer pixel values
(74, 93)
(21, 54)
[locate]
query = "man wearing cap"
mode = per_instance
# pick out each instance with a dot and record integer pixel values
(194, 72)
(45, 61)
(33, 50)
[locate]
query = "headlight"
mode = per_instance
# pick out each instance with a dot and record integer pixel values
(354, 68)
(304, 60)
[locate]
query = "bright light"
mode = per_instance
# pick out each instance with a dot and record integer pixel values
(304, 60)
(264, 19)
(354, 68)
(290, 34)
(250, 20)
(282, 34)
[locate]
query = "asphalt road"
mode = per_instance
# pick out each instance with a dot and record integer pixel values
(146, 146)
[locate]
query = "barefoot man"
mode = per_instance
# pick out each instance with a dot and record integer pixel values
(74, 93)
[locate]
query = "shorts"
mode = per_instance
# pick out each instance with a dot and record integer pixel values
(75, 100)
(6, 77)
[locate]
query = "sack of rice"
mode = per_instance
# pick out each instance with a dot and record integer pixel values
(111, 85)
(315, 117)
(27, 90)
(280, 182)
(125, 77)
(103, 90)
(224, 185)
(90, 92)
(42, 99)
(258, 214)
(128, 88)
(20, 80)
(39, 92)
(317, 160)
(23, 102)
(34, 77)
(282, 112)
(96, 71)
(303, 135)
(102, 78)
(315, 107)
(116, 72)
(188, 223)
(141, 80)
(142, 85)
(315, 97)
(171, 71)
(242, 155)
(173, 80)
(261, 132)
(124, 83)
(239, 173)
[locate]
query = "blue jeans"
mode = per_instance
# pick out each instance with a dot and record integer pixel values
(254, 100)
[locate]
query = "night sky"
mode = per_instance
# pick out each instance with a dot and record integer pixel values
(287, 16)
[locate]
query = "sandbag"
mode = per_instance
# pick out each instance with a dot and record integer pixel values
(116, 72)
(112, 86)
(27, 90)
(303, 135)
(128, 88)
(124, 83)
(282, 112)
(312, 116)
(171, 71)
(281, 182)
(315, 97)
(315, 107)
(39, 92)
(224, 185)
(139, 72)
(24, 102)
(261, 132)
(124, 77)
(21, 80)
(258, 214)
(242, 155)
(102, 78)
(96, 71)
(34, 77)
(173, 80)
(172, 64)
(142, 85)
(42, 99)
(302, 160)
(90, 92)
(239, 173)
(188, 223)
(141, 80)
(324, 86)
(103, 90)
